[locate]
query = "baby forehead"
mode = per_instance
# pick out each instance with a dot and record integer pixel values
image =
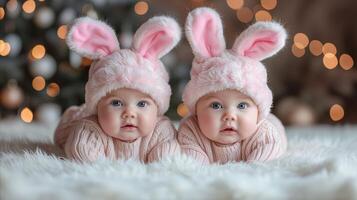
(227, 94)
(127, 93)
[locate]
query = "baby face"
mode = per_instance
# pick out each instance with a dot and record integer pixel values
(227, 116)
(127, 114)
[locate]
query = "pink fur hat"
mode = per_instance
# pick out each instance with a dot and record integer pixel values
(136, 68)
(216, 68)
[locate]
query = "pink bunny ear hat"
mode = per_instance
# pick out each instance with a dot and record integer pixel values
(136, 68)
(216, 68)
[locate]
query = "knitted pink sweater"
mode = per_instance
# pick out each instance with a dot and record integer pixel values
(84, 140)
(268, 142)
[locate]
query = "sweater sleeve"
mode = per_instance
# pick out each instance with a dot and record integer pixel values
(87, 142)
(189, 143)
(268, 143)
(163, 143)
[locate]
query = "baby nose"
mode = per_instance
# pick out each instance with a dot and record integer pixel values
(229, 117)
(128, 113)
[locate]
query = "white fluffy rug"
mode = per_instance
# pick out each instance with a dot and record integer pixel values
(321, 163)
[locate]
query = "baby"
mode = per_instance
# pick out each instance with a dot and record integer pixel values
(228, 96)
(127, 94)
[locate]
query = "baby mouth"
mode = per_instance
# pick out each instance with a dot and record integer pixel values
(229, 131)
(129, 127)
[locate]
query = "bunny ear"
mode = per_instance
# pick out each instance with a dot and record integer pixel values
(205, 33)
(92, 38)
(156, 37)
(260, 40)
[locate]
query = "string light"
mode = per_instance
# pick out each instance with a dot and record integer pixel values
(141, 8)
(235, 4)
(245, 15)
(297, 51)
(62, 32)
(315, 47)
(346, 61)
(337, 112)
(329, 48)
(38, 83)
(268, 4)
(2, 13)
(330, 61)
(38, 51)
(182, 110)
(26, 115)
(53, 89)
(301, 40)
(29, 6)
(263, 15)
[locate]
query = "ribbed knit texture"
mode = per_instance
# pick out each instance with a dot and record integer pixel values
(84, 140)
(268, 142)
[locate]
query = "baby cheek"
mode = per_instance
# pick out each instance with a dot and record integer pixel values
(109, 122)
(147, 123)
(208, 123)
(248, 128)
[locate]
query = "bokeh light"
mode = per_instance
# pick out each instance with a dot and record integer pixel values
(263, 15)
(301, 40)
(38, 51)
(346, 61)
(268, 4)
(29, 6)
(315, 47)
(337, 112)
(141, 8)
(297, 51)
(182, 110)
(26, 115)
(245, 15)
(53, 89)
(329, 48)
(5, 48)
(235, 4)
(38, 83)
(62, 32)
(330, 61)
(2, 13)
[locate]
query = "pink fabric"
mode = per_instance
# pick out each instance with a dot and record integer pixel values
(83, 140)
(237, 68)
(269, 142)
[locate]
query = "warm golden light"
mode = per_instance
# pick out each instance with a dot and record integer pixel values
(315, 47)
(263, 15)
(62, 32)
(301, 40)
(297, 51)
(53, 89)
(235, 4)
(330, 61)
(86, 61)
(29, 6)
(329, 48)
(5, 48)
(38, 83)
(346, 61)
(182, 110)
(38, 51)
(268, 4)
(336, 112)
(26, 115)
(141, 8)
(2, 13)
(245, 15)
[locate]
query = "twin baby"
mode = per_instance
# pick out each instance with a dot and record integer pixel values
(127, 94)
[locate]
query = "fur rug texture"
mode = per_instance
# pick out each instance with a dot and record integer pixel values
(321, 163)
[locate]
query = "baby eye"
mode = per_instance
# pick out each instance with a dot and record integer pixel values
(216, 105)
(142, 104)
(243, 105)
(116, 103)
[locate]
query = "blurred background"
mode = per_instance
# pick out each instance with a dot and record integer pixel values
(313, 79)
